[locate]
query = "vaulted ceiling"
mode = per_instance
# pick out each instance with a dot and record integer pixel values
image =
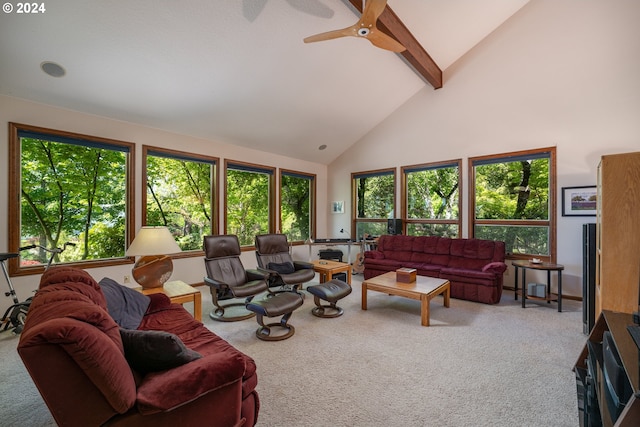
(235, 71)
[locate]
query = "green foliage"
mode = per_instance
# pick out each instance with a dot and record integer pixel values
(68, 190)
(295, 209)
(426, 229)
(375, 196)
(433, 193)
(247, 204)
(513, 190)
(179, 197)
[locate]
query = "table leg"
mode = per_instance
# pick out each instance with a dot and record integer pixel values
(548, 285)
(349, 275)
(524, 286)
(197, 306)
(447, 296)
(424, 310)
(559, 290)
(515, 271)
(364, 296)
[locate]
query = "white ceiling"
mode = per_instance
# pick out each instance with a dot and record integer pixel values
(233, 71)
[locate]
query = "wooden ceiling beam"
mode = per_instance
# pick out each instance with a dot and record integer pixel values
(415, 54)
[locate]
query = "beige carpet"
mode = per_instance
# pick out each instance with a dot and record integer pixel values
(477, 365)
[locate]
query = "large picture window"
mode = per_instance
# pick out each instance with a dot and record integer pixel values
(297, 206)
(374, 201)
(249, 201)
(513, 200)
(179, 193)
(432, 199)
(67, 187)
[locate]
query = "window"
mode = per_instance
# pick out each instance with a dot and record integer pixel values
(374, 200)
(179, 193)
(297, 205)
(67, 187)
(432, 199)
(249, 201)
(512, 199)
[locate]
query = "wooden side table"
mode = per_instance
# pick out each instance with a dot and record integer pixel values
(327, 269)
(180, 293)
(544, 266)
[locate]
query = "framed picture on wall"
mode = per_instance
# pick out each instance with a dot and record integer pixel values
(337, 207)
(579, 201)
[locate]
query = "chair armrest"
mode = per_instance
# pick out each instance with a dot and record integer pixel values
(267, 272)
(165, 390)
(256, 274)
(221, 286)
(495, 267)
(300, 265)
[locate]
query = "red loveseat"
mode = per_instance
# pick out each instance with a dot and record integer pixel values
(75, 353)
(474, 267)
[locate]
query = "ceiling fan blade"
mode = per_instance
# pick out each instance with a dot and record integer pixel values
(383, 41)
(372, 11)
(329, 35)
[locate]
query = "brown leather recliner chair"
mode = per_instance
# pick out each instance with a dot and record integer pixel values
(228, 279)
(272, 254)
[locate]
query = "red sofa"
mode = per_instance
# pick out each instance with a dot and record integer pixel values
(474, 267)
(75, 353)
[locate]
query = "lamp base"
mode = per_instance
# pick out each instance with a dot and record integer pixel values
(152, 271)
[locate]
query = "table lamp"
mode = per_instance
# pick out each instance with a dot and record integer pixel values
(154, 267)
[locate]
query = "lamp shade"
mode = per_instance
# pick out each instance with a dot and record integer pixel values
(153, 241)
(154, 267)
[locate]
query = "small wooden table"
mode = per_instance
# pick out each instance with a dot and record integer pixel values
(180, 293)
(544, 266)
(423, 289)
(327, 269)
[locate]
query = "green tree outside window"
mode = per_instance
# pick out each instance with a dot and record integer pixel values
(248, 202)
(179, 195)
(72, 189)
(296, 206)
(432, 199)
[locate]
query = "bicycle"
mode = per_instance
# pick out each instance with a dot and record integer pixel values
(15, 316)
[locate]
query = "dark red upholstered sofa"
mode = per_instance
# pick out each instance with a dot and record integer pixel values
(474, 267)
(73, 350)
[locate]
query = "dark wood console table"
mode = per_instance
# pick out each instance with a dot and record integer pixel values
(544, 266)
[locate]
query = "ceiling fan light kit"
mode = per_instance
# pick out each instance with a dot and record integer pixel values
(365, 28)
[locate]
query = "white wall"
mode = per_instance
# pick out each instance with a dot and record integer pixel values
(190, 270)
(558, 73)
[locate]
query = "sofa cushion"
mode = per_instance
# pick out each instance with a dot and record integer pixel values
(150, 351)
(125, 305)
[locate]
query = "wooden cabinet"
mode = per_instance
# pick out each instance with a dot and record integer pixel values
(618, 233)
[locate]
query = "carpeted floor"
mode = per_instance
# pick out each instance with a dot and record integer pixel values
(476, 365)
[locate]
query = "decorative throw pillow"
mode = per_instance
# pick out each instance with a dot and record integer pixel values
(151, 351)
(125, 305)
(281, 267)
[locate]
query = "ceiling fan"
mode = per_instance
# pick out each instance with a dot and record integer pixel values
(365, 28)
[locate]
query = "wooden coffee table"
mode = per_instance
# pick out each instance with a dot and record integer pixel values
(423, 289)
(327, 269)
(179, 293)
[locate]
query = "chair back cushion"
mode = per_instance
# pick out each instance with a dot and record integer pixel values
(222, 260)
(272, 249)
(221, 246)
